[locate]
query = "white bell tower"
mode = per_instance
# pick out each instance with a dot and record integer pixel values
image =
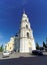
(27, 43)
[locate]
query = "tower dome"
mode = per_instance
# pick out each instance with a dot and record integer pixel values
(24, 15)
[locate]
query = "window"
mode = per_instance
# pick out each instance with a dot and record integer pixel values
(10, 47)
(25, 20)
(27, 34)
(27, 26)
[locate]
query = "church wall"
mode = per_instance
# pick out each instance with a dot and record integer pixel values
(27, 43)
(23, 24)
(24, 45)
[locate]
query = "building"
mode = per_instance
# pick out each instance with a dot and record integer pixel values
(13, 44)
(10, 45)
(27, 43)
(24, 41)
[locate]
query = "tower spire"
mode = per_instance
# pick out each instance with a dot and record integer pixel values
(24, 11)
(24, 14)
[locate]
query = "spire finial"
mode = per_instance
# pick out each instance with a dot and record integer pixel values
(24, 15)
(24, 11)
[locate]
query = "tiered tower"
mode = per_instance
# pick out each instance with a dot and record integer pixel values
(27, 43)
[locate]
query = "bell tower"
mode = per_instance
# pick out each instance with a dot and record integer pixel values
(27, 43)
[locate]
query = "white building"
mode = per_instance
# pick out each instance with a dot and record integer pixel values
(27, 43)
(24, 42)
(10, 45)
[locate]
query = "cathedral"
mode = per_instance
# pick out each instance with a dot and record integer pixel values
(24, 41)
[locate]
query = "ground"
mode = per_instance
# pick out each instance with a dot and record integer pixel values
(24, 60)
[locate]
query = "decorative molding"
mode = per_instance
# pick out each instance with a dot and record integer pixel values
(26, 37)
(25, 28)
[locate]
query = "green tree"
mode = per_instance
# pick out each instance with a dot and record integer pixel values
(1, 48)
(44, 45)
(37, 46)
(46, 42)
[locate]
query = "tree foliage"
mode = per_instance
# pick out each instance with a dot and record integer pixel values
(1, 48)
(37, 46)
(44, 45)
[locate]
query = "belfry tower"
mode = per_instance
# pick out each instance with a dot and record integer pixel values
(27, 43)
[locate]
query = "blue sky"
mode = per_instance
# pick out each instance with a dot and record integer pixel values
(11, 13)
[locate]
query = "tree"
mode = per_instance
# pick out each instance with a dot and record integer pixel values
(37, 46)
(1, 48)
(46, 41)
(44, 45)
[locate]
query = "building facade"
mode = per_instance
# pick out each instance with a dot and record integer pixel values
(24, 42)
(10, 45)
(27, 43)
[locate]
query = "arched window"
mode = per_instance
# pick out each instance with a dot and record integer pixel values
(25, 20)
(27, 34)
(27, 26)
(10, 47)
